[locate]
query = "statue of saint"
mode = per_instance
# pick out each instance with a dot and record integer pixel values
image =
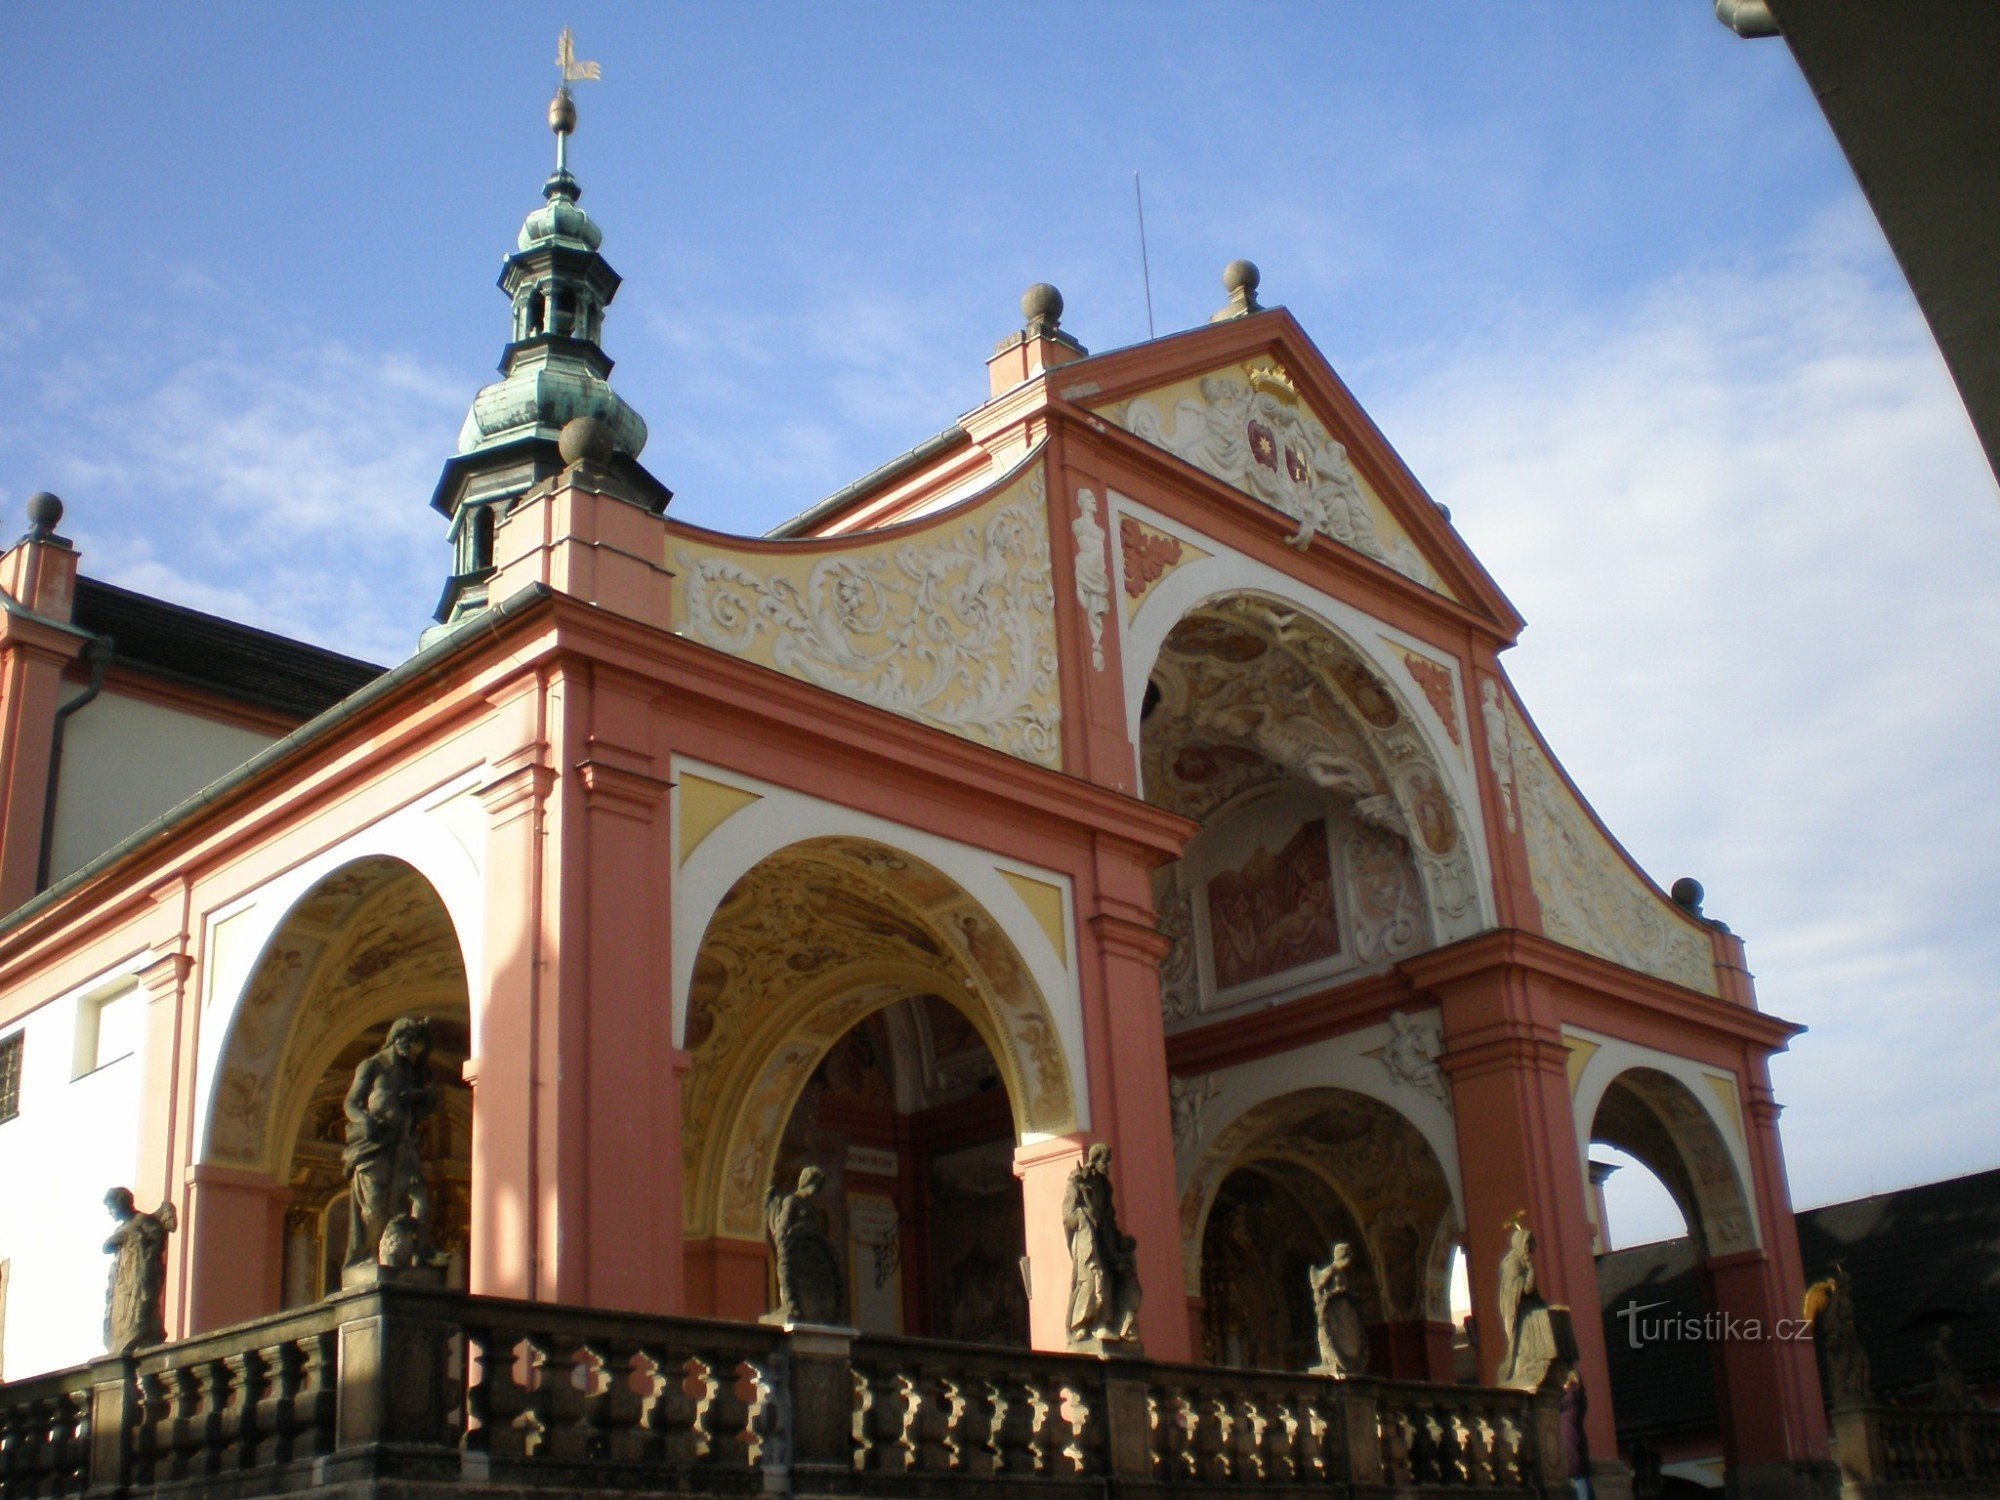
(1343, 1337)
(1830, 1309)
(134, 1300)
(1535, 1347)
(1104, 1272)
(809, 1280)
(1950, 1392)
(389, 1204)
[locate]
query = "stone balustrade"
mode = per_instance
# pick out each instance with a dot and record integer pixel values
(1916, 1451)
(426, 1387)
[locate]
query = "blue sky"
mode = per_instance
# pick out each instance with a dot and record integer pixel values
(1598, 271)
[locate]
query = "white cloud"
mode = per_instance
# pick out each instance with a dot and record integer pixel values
(1759, 552)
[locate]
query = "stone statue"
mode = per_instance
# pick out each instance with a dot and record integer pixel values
(1950, 1391)
(1830, 1309)
(1539, 1347)
(1343, 1337)
(134, 1310)
(389, 1203)
(809, 1280)
(1104, 1272)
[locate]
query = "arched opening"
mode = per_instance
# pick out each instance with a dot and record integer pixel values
(1280, 1185)
(854, 1009)
(1331, 844)
(908, 1118)
(1671, 1389)
(369, 943)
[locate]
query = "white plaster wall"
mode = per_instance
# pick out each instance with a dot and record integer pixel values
(781, 817)
(75, 1138)
(126, 761)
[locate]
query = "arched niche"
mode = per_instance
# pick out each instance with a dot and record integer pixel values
(811, 941)
(1356, 1167)
(1255, 708)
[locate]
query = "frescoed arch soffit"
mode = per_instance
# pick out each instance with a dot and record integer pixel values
(1253, 690)
(370, 941)
(810, 941)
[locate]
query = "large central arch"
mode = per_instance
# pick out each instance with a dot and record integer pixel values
(813, 939)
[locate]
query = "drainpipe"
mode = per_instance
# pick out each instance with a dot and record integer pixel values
(96, 651)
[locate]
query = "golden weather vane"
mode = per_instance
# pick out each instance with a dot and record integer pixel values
(572, 70)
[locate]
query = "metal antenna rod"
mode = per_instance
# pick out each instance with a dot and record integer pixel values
(1145, 268)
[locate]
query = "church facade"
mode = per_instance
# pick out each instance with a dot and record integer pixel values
(1132, 764)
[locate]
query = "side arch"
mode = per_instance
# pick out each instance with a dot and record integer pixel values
(441, 840)
(1670, 1113)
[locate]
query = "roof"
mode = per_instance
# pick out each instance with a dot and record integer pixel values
(1917, 1257)
(157, 639)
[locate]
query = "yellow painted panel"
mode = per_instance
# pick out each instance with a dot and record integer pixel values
(1580, 1054)
(1732, 1102)
(705, 805)
(1045, 904)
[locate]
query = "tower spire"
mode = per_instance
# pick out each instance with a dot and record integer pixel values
(554, 368)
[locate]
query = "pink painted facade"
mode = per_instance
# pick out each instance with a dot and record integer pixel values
(655, 739)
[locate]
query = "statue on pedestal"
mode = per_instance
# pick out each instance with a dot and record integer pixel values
(389, 1203)
(134, 1299)
(809, 1280)
(1829, 1307)
(1540, 1347)
(1343, 1336)
(1104, 1271)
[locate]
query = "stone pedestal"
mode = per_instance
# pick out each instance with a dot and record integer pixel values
(1108, 1348)
(369, 1274)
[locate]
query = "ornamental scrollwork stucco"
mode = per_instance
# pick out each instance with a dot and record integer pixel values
(955, 629)
(1590, 898)
(1251, 430)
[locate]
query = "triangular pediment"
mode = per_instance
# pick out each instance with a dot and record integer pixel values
(1255, 406)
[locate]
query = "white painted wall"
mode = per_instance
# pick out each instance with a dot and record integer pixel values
(75, 1138)
(126, 761)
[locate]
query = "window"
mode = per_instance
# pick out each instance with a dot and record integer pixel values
(107, 1029)
(10, 1075)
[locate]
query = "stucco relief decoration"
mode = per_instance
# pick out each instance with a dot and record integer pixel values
(1274, 912)
(1655, 1117)
(1251, 430)
(1093, 571)
(1411, 1054)
(956, 630)
(368, 942)
(1434, 679)
(1367, 1154)
(1590, 898)
(1188, 1098)
(1148, 556)
(1180, 984)
(1499, 747)
(1389, 903)
(802, 948)
(1250, 690)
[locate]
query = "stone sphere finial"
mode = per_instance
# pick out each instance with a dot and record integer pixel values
(44, 512)
(1688, 894)
(1042, 304)
(586, 440)
(1241, 276)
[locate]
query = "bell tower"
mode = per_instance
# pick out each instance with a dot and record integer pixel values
(553, 370)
